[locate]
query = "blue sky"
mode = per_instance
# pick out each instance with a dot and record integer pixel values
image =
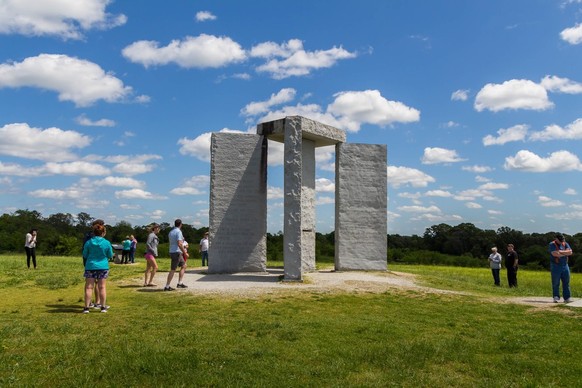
(107, 107)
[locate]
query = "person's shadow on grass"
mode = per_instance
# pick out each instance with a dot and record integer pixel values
(63, 308)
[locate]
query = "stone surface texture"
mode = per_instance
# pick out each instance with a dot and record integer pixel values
(292, 191)
(308, 206)
(321, 134)
(238, 203)
(361, 206)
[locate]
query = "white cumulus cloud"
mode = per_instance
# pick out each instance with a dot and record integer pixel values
(67, 19)
(133, 168)
(86, 122)
(51, 144)
(572, 35)
(419, 209)
(549, 202)
(203, 16)
(506, 135)
(460, 95)
(477, 169)
(512, 94)
(399, 176)
(324, 185)
(121, 182)
(561, 85)
(572, 131)
(290, 59)
(75, 168)
(260, 107)
(528, 161)
(369, 106)
(438, 193)
(76, 80)
(494, 186)
(203, 51)
(137, 194)
(435, 155)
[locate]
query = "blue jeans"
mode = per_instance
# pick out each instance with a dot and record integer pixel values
(495, 272)
(560, 272)
(204, 258)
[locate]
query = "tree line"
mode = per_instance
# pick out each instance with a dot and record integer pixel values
(464, 244)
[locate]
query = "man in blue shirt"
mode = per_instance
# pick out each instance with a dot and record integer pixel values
(178, 255)
(559, 252)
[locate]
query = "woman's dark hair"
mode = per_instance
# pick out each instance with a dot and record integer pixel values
(98, 230)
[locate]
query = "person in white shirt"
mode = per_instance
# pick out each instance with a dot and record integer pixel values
(495, 264)
(30, 247)
(204, 249)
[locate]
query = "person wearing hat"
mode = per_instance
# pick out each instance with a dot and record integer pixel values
(203, 249)
(559, 252)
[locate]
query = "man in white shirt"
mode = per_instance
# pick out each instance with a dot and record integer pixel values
(204, 249)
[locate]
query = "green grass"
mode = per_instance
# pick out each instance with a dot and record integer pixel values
(480, 281)
(299, 338)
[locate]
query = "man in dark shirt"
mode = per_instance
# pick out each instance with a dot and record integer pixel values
(511, 261)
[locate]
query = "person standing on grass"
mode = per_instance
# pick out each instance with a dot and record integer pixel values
(511, 264)
(560, 251)
(178, 255)
(132, 248)
(204, 249)
(98, 251)
(126, 246)
(495, 264)
(30, 247)
(151, 253)
(88, 236)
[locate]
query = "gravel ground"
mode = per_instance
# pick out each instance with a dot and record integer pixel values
(270, 282)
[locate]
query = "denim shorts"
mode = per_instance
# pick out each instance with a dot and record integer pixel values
(96, 274)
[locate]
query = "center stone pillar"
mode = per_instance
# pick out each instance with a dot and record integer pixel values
(300, 137)
(294, 246)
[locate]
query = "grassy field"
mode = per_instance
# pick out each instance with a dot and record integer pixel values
(295, 339)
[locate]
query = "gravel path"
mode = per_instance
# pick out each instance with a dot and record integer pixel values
(270, 282)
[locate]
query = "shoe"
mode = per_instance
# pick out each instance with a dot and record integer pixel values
(151, 285)
(568, 300)
(104, 309)
(86, 310)
(168, 288)
(556, 299)
(91, 304)
(182, 285)
(96, 306)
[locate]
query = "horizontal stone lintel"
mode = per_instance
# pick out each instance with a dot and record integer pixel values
(321, 134)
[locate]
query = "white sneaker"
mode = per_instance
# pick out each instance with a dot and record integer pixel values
(556, 299)
(567, 300)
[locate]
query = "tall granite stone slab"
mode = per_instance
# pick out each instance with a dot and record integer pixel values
(238, 203)
(308, 219)
(292, 189)
(361, 206)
